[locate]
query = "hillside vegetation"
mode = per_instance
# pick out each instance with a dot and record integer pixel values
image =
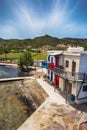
(17, 45)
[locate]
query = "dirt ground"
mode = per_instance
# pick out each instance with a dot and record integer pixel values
(18, 100)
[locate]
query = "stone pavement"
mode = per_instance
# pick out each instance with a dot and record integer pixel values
(38, 117)
(51, 91)
(55, 114)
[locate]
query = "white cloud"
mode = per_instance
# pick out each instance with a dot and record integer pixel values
(8, 31)
(75, 30)
(56, 22)
(28, 19)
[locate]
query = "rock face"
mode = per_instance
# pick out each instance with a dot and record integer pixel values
(83, 126)
(18, 100)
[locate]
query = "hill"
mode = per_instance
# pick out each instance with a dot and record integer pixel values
(19, 45)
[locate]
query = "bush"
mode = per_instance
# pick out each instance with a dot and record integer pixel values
(25, 61)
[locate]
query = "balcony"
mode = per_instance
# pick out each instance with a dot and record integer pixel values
(69, 75)
(51, 66)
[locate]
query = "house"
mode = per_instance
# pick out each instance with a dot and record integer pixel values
(68, 71)
(54, 59)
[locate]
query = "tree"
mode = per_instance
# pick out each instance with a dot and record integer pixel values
(25, 61)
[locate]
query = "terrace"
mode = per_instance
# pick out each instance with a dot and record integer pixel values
(73, 76)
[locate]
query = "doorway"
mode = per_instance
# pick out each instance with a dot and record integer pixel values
(56, 80)
(57, 61)
(73, 68)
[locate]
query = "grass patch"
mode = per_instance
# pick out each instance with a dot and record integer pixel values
(16, 56)
(39, 56)
(11, 56)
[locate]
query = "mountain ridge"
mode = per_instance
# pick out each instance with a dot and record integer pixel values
(20, 44)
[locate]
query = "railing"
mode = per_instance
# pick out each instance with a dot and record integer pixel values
(69, 75)
(51, 66)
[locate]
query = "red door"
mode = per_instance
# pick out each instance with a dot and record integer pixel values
(57, 61)
(57, 65)
(57, 81)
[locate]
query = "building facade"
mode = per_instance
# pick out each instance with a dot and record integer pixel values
(68, 71)
(54, 59)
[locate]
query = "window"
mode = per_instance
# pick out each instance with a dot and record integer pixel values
(67, 63)
(51, 59)
(73, 67)
(85, 88)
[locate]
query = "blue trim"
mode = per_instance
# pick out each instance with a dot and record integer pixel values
(44, 64)
(51, 76)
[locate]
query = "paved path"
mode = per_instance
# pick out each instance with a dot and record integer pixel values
(53, 94)
(39, 116)
(54, 113)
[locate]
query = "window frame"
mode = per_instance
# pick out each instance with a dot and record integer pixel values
(51, 59)
(85, 88)
(66, 63)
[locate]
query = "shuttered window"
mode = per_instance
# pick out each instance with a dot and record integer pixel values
(67, 63)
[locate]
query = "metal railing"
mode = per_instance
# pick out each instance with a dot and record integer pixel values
(69, 75)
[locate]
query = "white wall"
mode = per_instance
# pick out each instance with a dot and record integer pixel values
(61, 83)
(75, 49)
(53, 76)
(51, 58)
(70, 59)
(50, 75)
(53, 53)
(83, 63)
(82, 94)
(74, 88)
(60, 59)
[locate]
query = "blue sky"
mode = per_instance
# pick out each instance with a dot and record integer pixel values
(31, 18)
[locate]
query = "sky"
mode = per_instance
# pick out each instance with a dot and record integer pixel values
(22, 19)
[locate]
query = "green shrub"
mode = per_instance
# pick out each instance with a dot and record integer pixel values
(25, 61)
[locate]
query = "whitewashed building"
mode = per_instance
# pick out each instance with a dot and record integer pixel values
(70, 71)
(54, 59)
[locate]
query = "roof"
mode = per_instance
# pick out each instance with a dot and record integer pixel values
(75, 53)
(53, 53)
(71, 53)
(75, 49)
